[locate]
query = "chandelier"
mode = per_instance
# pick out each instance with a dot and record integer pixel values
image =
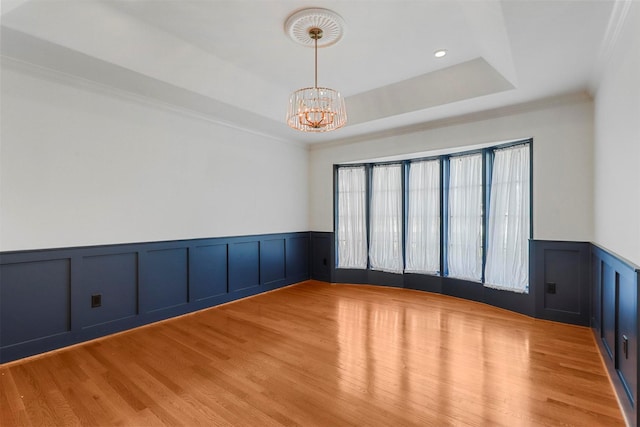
(315, 109)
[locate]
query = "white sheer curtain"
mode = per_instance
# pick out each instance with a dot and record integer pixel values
(423, 222)
(352, 229)
(509, 218)
(385, 250)
(464, 248)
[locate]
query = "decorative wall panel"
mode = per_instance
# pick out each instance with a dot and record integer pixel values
(560, 276)
(614, 286)
(56, 297)
(164, 279)
(297, 262)
(272, 261)
(208, 271)
(244, 266)
(112, 277)
(44, 287)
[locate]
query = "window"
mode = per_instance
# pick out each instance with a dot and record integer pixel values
(352, 228)
(385, 252)
(465, 216)
(464, 246)
(423, 218)
(509, 223)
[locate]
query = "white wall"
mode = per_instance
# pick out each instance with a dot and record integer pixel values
(617, 145)
(83, 165)
(562, 131)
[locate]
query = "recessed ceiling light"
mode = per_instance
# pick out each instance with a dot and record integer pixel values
(440, 53)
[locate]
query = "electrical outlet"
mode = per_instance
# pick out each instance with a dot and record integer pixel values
(96, 300)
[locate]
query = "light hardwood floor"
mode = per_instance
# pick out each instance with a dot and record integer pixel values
(326, 355)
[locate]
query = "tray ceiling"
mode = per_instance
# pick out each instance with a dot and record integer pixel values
(233, 62)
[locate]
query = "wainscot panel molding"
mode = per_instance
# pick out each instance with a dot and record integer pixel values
(53, 298)
(558, 280)
(322, 256)
(560, 271)
(614, 320)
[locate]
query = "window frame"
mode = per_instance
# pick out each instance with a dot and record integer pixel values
(406, 207)
(488, 154)
(483, 229)
(337, 218)
(403, 218)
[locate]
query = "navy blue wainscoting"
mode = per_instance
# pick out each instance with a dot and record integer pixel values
(614, 319)
(56, 297)
(561, 271)
(244, 267)
(321, 255)
(208, 271)
(323, 248)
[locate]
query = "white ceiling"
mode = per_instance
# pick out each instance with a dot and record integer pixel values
(232, 61)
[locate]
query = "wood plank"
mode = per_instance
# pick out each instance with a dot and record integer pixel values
(320, 354)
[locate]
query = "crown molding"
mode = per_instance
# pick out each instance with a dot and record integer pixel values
(616, 23)
(538, 104)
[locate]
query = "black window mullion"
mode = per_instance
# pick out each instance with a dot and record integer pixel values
(487, 168)
(335, 214)
(405, 210)
(530, 142)
(444, 214)
(369, 178)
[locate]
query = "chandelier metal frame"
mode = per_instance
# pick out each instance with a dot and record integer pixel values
(315, 109)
